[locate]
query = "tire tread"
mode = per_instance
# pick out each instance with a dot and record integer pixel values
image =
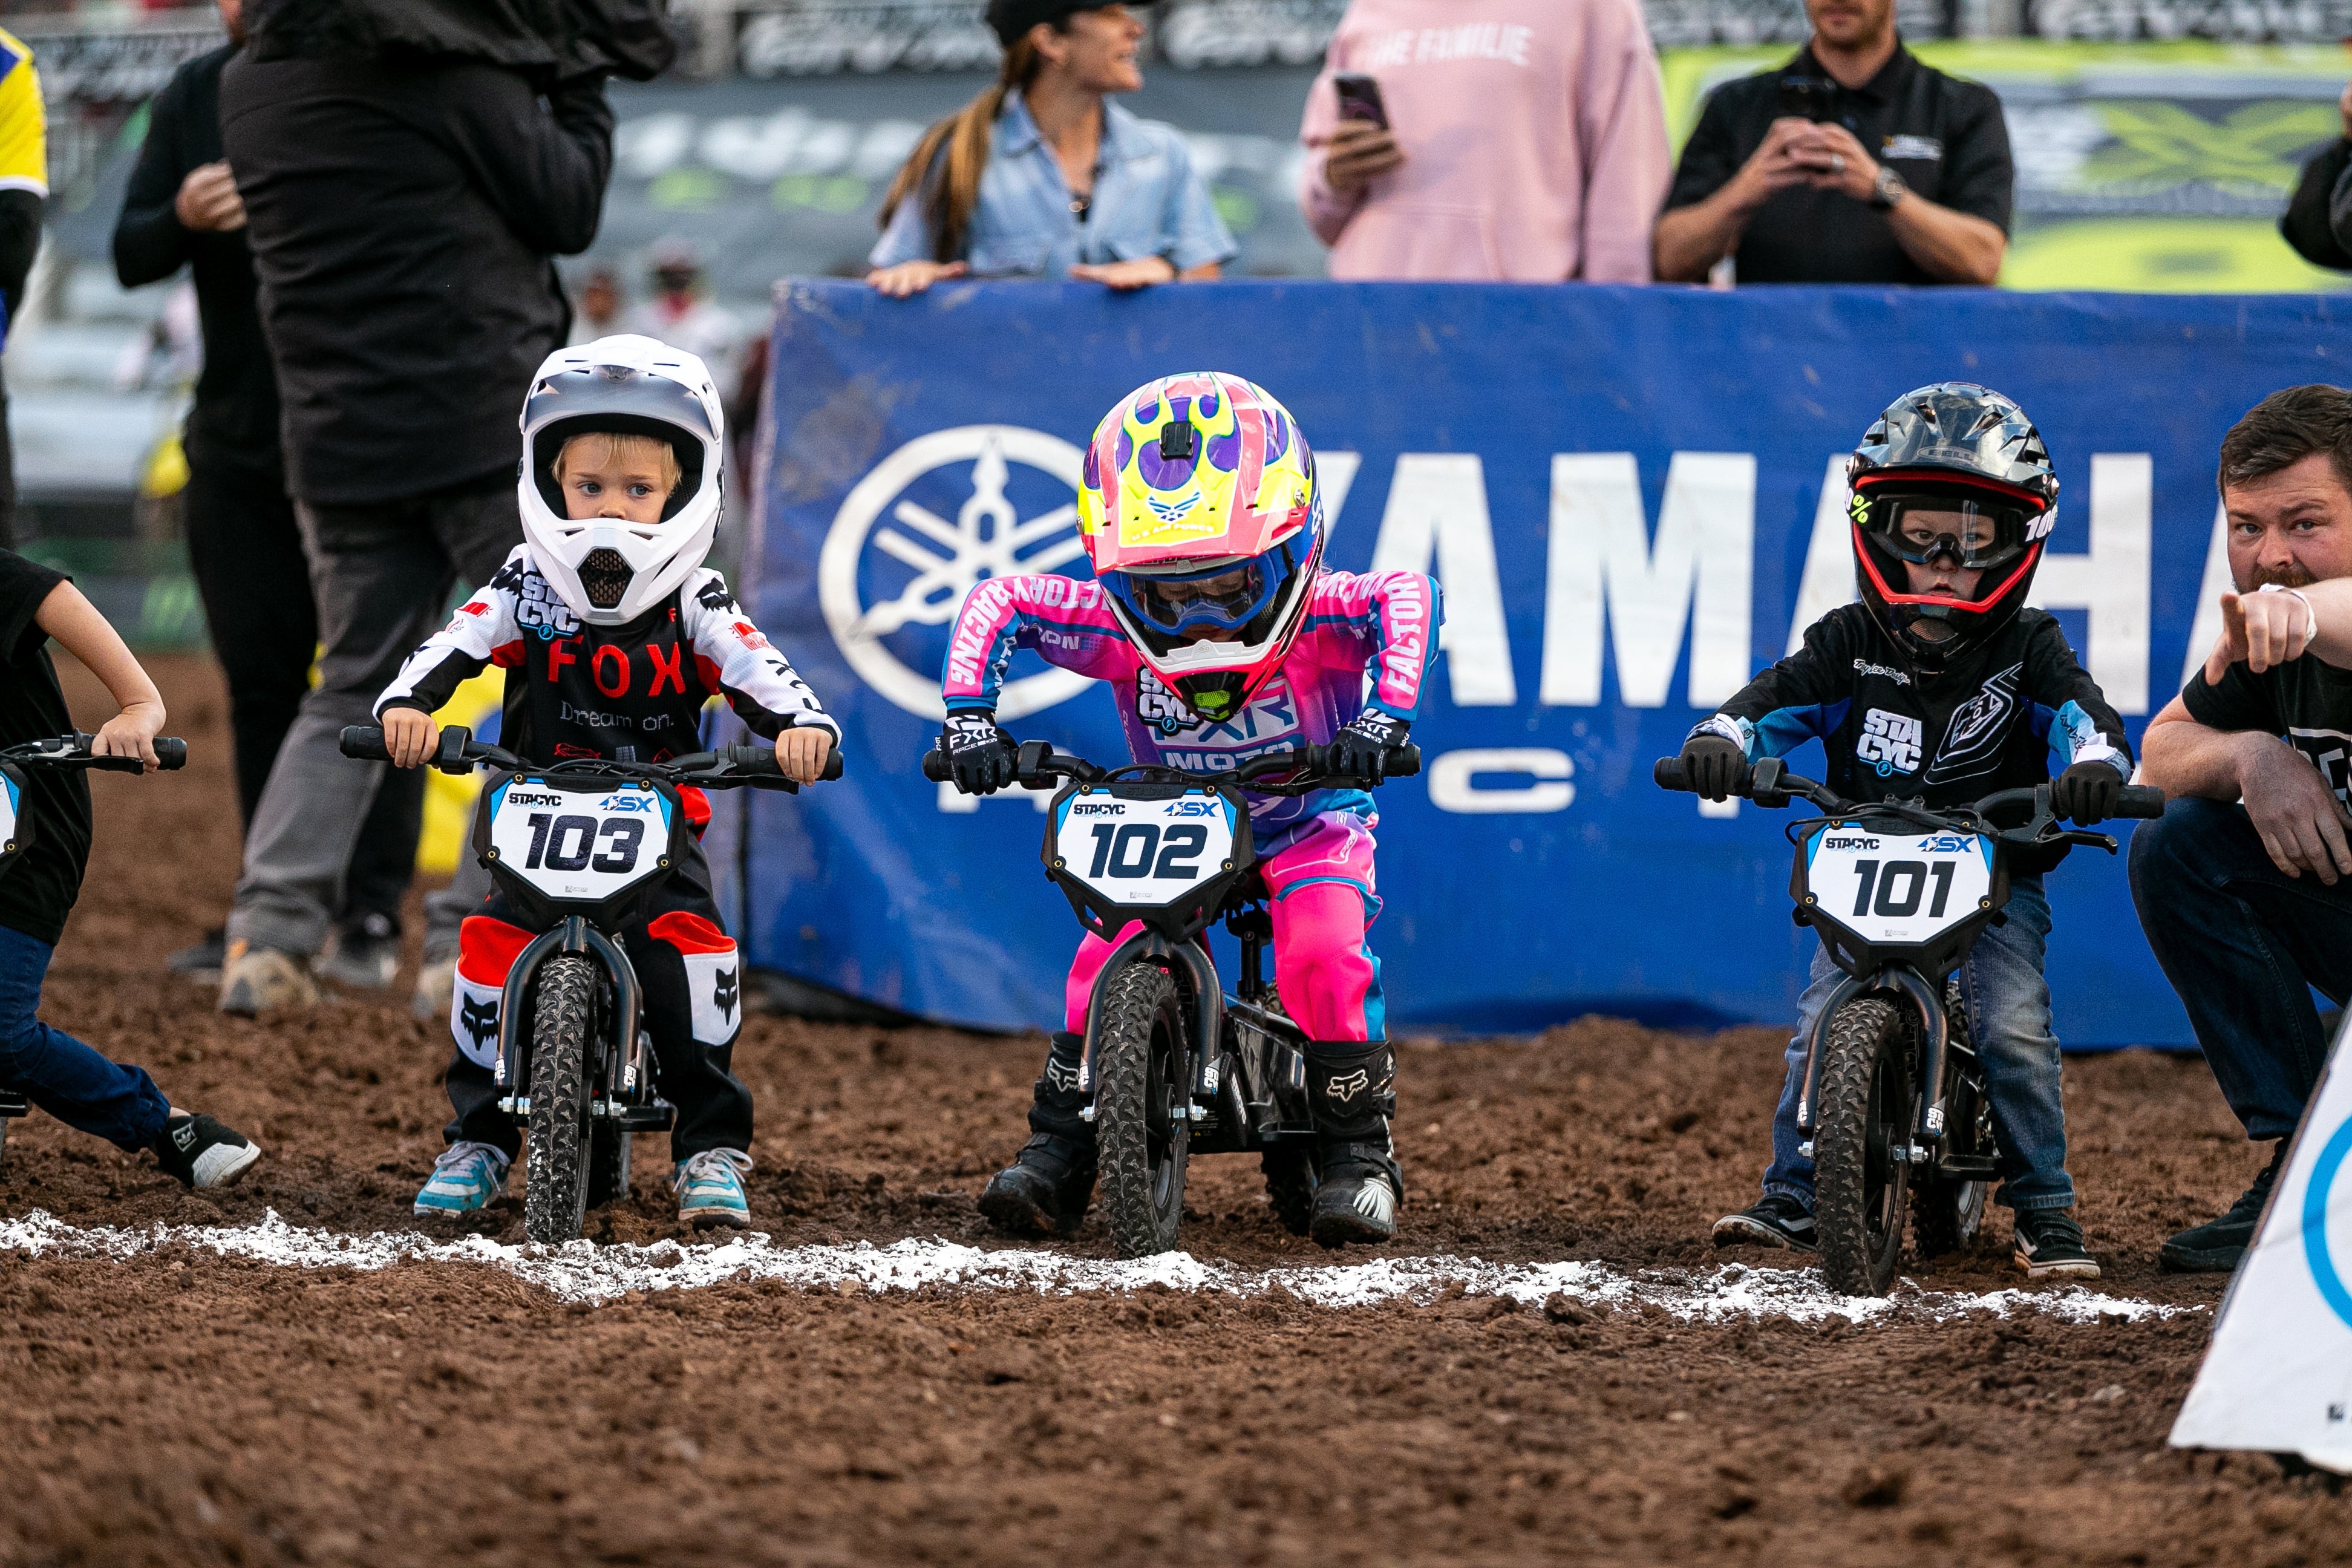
(1841, 1130)
(1131, 1004)
(555, 1194)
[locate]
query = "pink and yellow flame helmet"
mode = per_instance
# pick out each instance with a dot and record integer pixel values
(1200, 510)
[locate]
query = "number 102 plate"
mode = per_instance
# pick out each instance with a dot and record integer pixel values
(1143, 853)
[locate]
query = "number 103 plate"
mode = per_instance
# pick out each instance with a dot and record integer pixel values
(578, 846)
(1143, 853)
(1897, 888)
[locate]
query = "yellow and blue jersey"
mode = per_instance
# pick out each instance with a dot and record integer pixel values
(23, 124)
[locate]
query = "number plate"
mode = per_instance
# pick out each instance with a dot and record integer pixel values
(578, 846)
(9, 794)
(1143, 852)
(1897, 888)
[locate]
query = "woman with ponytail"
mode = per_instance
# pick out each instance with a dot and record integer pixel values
(1040, 177)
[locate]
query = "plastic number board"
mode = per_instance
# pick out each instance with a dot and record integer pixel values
(7, 813)
(580, 845)
(1143, 852)
(1897, 888)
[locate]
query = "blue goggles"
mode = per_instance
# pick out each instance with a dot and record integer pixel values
(1224, 598)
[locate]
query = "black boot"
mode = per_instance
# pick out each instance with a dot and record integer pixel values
(1351, 1089)
(2219, 1246)
(1045, 1190)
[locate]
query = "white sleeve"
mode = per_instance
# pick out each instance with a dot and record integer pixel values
(734, 659)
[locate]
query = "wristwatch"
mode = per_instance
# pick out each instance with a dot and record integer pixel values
(1888, 189)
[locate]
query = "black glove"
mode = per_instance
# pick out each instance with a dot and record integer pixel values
(980, 755)
(1361, 749)
(2087, 792)
(1716, 768)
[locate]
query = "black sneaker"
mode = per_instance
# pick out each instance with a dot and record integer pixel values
(2049, 1245)
(365, 955)
(1044, 1191)
(201, 1153)
(2218, 1246)
(201, 961)
(1777, 1220)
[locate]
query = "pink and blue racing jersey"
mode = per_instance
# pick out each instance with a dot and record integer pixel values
(1385, 621)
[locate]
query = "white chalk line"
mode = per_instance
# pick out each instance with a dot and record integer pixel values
(584, 1271)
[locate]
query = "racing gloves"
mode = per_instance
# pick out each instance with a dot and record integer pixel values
(1716, 768)
(2086, 792)
(1361, 749)
(980, 755)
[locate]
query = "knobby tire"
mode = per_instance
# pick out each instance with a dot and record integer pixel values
(1858, 1189)
(555, 1197)
(608, 1163)
(1141, 1034)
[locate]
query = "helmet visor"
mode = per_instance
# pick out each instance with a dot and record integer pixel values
(1232, 601)
(1975, 532)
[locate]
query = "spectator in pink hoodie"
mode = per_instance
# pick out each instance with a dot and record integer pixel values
(1526, 142)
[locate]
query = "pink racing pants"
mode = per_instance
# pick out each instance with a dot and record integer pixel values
(1321, 895)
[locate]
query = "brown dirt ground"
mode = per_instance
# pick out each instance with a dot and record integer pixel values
(182, 1408)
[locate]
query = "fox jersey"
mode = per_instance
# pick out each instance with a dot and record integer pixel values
(1996, 720)
(1384, 621)
(630, 693)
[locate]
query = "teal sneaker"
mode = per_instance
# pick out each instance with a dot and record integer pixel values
(465, 1178)
(709, 1188)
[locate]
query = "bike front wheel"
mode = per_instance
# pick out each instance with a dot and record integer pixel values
(555, 1197)
(1861, 1122)
(1142, 1132)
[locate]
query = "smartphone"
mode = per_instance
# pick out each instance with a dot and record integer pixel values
(1809, 98)
(1359, 98)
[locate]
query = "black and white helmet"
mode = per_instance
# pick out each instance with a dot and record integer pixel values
(1950, 470)
(610, 571)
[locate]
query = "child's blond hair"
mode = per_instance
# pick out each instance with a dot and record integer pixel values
(619, 447)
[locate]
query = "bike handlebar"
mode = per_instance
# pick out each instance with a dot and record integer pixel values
(2143, 801)
(459, 752)
(73, 751)
(1038, 764)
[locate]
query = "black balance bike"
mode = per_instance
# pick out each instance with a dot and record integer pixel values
(1175, 1067)
(17, 830)
(580, 845)
(1893, 1106)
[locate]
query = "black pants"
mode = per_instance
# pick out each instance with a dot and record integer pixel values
(255, 582)
(690, 977)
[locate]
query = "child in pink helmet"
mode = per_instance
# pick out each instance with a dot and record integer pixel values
(1223, 638)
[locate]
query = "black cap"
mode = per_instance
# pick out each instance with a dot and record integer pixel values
(1012, 18)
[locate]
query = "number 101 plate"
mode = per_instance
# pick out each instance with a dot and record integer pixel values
(1897, 888)
(1142, 853)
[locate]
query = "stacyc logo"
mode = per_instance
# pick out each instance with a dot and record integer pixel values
(517, 797)
(1849, 841)
(1086, 809)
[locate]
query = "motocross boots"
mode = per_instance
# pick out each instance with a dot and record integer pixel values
(1352, 1088)
(1046, 1188)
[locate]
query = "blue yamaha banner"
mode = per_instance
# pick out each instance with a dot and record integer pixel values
(1634, 499)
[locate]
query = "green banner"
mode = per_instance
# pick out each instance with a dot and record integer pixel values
(2148, 167)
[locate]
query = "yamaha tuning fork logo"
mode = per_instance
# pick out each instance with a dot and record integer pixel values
(915, 534)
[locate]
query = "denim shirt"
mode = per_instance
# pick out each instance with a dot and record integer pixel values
(1147, 201)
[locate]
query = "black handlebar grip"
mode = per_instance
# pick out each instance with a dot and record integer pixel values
(831, 769)
(760, 760)
(171, 752)
(936, 766)
(1669, 774)
(2140, 800)
(1403, 762)
(364, 742)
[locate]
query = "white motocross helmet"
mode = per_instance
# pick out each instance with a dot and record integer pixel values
(609, 571)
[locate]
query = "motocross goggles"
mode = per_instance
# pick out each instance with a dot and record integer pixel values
(1240, 601)
(1982, 530)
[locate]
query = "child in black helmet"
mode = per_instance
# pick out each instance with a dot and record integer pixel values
(1941, 685)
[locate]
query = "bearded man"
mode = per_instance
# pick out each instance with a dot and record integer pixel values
(2244, 887)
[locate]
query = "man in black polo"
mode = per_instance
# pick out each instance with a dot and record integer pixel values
(1852, 163)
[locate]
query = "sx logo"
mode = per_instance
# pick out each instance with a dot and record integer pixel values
(947, 556)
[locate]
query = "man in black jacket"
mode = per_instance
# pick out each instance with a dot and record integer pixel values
(403, 209)
(183, 209)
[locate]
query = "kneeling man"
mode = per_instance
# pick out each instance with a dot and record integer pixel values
(2245, 887)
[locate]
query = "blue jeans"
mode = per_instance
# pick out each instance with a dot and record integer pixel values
(2009, 1010)
(58, 1072)
(2239, 939)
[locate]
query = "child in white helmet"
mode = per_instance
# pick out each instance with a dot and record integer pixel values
(612, 634)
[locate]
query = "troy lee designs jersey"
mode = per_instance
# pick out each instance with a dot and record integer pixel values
(1385, 621)
(629, 693)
